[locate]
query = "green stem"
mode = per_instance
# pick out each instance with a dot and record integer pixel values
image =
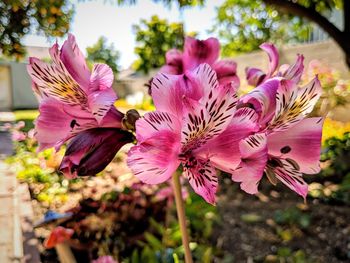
(180, 209)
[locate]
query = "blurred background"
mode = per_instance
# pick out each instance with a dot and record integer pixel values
(112, 213)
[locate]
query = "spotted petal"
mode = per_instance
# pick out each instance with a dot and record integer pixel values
(262, 99)
(52, 81)
(154, 122)
(202, 177)
(155, 159)
(101, 77)
(223, 150)
(291, 176)
(253, 150)
(57, 122)
(167, 95)
(293, 103)
(74, 61)
(208, 121)
(301, 143)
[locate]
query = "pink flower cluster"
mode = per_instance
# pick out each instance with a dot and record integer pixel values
(199, 124)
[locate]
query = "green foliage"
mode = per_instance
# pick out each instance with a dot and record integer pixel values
(154, 38)
(20, 17)
(243, 25)
(336, 156)
(292, 216)
(100, 52)
(167, 3)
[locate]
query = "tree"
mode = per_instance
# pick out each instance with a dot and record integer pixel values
(243, 25)
(294, 11)
(316, 11)
(154, 38)
(102, 53)
(167, 3)
(21, 17)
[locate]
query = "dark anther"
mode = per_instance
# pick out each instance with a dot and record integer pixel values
(275, 162)
(130, 119)
(285, 149)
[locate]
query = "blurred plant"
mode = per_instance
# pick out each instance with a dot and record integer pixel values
(167, 3)
(100, 52)
(336, 91)
(334, 129)
(243, 25)
(21, 17)
(285, 254)
(336, 171)
(153, 39)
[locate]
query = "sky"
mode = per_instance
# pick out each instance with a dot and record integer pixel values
(97, 18)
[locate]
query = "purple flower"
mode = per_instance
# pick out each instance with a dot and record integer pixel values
(287, 144)
(256, 76)
(197, 52)
(75, 102)
(195, 125)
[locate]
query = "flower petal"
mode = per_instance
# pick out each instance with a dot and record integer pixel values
(226, 71)
(207, 122)
(294, 103)
(52, 81)
(100, 102)
(166, 96)
(173, 65)
(301, 143)
(155, 159)
(262, 99)
(75, 63)
(254, 76)
(202, 177)
(272, 52)
(57, 121)
(223, 150)
(101, 78)
(154, 122)
(289, 175)
(295, 71)
(253, 150)
(197, 52)
(99, 146)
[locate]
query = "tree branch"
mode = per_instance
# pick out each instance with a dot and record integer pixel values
(346, 14)
(290, 7)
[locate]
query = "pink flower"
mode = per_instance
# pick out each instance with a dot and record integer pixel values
(105, 259)
(18, 136)
(195, 125)
(74, 100)
(58, 235)
(197, 52)
(287, 144)
(256, 76)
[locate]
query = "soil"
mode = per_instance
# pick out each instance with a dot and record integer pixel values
(248, 229)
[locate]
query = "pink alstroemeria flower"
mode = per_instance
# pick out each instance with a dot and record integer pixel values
(74, 100)
(195, 125)
(105, 259)
(287, 144)
(197, 52)
(256, 76)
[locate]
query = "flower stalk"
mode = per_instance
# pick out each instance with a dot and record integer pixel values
(180, 209)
